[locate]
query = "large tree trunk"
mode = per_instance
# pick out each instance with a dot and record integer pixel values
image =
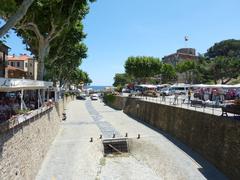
(43, 52)
(15, 18)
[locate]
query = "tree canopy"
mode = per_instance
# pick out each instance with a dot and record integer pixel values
(63, 60)
(223, 69)
(121, 79)
(226, 48)
(188, 68)
(12, 11)
(142, 66)
(168, 73)
(47, 20)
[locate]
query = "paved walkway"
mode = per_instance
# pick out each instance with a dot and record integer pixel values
(105, 127)
(153, 156)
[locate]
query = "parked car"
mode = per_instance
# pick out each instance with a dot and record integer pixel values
(166, 91)
(180, 89)
(125, 90)
(94, 97)
(150, 93)
(81, 97)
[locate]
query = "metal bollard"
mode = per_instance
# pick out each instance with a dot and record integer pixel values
(138, 136)
(91, 139)
(113, 135)
(126, 135)
(100, 137)
(64, 116)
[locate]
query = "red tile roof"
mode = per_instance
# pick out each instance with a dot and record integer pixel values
(22, 57)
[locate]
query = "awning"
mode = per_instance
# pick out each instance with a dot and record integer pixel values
(215, 86)
(150, 86)
(9, 84)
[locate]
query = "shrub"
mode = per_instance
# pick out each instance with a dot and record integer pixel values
(109, 98)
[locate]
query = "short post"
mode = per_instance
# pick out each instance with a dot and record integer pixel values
(21, 99)
(138, 136)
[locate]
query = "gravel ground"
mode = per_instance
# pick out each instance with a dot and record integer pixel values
(153, 156)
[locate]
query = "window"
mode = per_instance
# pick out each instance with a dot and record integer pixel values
(18, 64)
(30, 64)
(26, 64)
(12, 64)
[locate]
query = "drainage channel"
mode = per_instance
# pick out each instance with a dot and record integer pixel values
(105, 127)
(112, 141)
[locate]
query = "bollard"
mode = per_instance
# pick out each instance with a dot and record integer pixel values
(138, 136)
(64, 116)
(113, 135)
(100, 137)
(126, 135)
(91, 139)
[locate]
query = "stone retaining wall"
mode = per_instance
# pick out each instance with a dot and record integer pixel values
(216, 138)
(24, 145)
(118, 103)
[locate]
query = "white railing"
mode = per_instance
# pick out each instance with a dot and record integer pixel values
(182, 102)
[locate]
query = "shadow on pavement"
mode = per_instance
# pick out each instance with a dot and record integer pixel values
(207, 170)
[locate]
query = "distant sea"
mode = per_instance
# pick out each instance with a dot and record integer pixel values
(97, 88)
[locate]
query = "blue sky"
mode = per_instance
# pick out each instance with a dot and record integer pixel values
(118, 29)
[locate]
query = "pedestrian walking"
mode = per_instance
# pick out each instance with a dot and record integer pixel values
(175, 98)
(163, 97)
(189, 95)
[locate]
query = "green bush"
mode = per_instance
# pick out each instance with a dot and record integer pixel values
(67, 94)
(23, 111)
(109, 98)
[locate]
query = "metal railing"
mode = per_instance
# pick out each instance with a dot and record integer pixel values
(183, 102)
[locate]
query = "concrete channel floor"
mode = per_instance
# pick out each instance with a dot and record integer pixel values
(154, 156)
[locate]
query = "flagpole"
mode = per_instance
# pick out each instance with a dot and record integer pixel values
(186, 40)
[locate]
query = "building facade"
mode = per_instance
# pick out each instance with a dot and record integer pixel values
(3, 60)
(181, 55)
(25, 63)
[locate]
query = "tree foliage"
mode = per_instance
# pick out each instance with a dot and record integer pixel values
(47, 20)
(12, 11)
(223, 61)
(121, 79)
(142, 66)
(187, 67)
(227, 48)
(168, 73)
(66, 55)
(223, 68)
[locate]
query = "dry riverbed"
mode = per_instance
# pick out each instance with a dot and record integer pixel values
(154, 156)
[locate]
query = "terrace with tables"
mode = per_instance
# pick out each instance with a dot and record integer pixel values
(21, 99)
